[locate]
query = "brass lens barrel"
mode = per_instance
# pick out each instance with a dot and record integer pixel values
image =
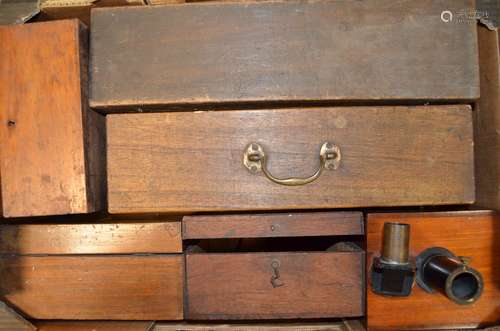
(396, 243)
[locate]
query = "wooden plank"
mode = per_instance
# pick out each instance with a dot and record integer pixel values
(12, 321)
(272, 51)
(390, 156)
(487, 122)
(272, 225)
(47, 129)
(238, 285)
(94, 326)
(104, 287)
(473, 234)
(324, 326)
(110, 238)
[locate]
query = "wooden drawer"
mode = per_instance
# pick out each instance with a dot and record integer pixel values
(239, 286)
(113, 271)
(52, 146)
(267, 276)
(472, 234)
(283, 51)
(388, 156)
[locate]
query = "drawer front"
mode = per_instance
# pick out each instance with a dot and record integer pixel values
(281, 51)
(388, 156)
(94, 287)
(274, 285)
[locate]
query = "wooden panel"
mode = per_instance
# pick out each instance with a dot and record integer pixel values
(281, 51)
(46, 169)
(325, 326)
(238, 285)
(391, 156)
(94, 287)
(473, 234)
(12, 321)
(108, 238)
(487, 122)
(94, 326)
(272, 225)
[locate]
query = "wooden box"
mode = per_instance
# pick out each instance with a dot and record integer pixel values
(219, 54)
(487, 122)
(276, 284)
(472, 234)
(110, 271)
(52, 159)
(194, 161)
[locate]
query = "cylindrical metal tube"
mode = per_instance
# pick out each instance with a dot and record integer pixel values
(396, 243)
(453, 278)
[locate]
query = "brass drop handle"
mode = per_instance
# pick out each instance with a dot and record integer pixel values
(254, 159)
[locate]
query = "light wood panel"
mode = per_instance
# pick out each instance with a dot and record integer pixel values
(275, 51)
(104, 287)
(474, 234)
(109, 238)
(51, 144)
(390, 156)
(94, 326)
(12, 321)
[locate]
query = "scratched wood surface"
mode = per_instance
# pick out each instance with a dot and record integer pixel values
(251, 52)
(487, 122)
(390, 156)
(99, 287)
(473, 234)
(238, 285)
(272, 225)
(108, 238)
(46, 165)
(94, 326)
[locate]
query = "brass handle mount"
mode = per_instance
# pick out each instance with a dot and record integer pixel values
(254, 159)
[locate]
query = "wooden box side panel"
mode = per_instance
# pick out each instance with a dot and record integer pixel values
(472, 234)
(109, 238)
(41, 133)
(487, 122)
(94, 287)
(238, 286)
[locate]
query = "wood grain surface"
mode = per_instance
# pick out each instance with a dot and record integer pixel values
(12, 321)
(94, 326)
(238, 285)
(281, 51)
(474, 234)
(272, 225)
(391, 156)
(487, 122)
(105, 287)
(109, 238)
(348, 325)
(45, 165)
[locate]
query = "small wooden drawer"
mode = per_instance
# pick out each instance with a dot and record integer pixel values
(209, 161)
(52, 144)
(113, 271)
(271, 278)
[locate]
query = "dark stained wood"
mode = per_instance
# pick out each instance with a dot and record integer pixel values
(12, 321)
(296, 51)
(46, 128)
(391, 156)
(473, 234)
(102, 287)
(110, 238)
(272, 225)
(238, 285)
(325, 326)
(487, 122)
(94, 326)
